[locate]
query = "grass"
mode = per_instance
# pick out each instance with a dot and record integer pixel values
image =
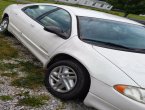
(34, 76)
(5, 98)
(4, 66)
(6, 50)
(31, 81)
(33, 101)
(12, 75)
(133, 16)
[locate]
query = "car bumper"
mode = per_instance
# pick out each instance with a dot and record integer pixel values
(103, 97)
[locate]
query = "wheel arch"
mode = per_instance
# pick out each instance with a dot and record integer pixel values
(63, 56)
(5, 15)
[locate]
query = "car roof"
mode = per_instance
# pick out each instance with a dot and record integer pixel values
(92, 13)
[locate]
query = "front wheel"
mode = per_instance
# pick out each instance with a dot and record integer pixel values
(4, 25)
(67, 80)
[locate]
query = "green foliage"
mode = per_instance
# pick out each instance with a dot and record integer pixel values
(129, 6)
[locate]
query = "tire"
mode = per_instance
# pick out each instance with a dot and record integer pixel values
(4, 25)
(79, 90)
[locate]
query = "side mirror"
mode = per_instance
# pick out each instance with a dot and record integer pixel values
(56, 30)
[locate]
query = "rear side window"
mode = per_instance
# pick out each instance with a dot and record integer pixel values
(37, 10)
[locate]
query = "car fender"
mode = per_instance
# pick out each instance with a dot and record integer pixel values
(9, 9)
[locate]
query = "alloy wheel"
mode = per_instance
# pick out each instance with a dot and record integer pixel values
(63, 79)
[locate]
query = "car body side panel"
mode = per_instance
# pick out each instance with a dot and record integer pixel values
(94, 62)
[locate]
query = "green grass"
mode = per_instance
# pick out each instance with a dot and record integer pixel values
(33, 79)
(5, 98)
(34, 74)
(136, 17)
(6, 50)
(12, 75)
(4, 66)
(33, 101)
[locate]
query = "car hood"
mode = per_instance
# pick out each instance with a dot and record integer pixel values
(133, 64)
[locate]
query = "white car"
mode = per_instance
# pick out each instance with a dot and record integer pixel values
(96, 57)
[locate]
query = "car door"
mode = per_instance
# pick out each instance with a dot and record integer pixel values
(25, 23)
(48, 41)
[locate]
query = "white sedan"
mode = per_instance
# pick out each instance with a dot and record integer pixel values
(96, 57)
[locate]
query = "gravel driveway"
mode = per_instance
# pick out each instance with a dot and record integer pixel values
(17, 85)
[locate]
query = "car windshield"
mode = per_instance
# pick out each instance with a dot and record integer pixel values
(112, 33)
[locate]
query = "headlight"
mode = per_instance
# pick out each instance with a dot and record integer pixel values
(134, 93)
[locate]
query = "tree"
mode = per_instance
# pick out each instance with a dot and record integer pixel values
(129, 6)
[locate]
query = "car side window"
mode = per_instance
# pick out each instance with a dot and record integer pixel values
(59, 18)
(37, 10)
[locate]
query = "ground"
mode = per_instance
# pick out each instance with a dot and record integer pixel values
(21, 81)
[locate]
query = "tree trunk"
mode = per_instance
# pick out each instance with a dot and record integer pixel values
(126, 14)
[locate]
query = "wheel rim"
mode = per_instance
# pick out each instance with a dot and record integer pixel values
(63, 79)
(3, 25)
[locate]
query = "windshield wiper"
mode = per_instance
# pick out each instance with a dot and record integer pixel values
(106, 43)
